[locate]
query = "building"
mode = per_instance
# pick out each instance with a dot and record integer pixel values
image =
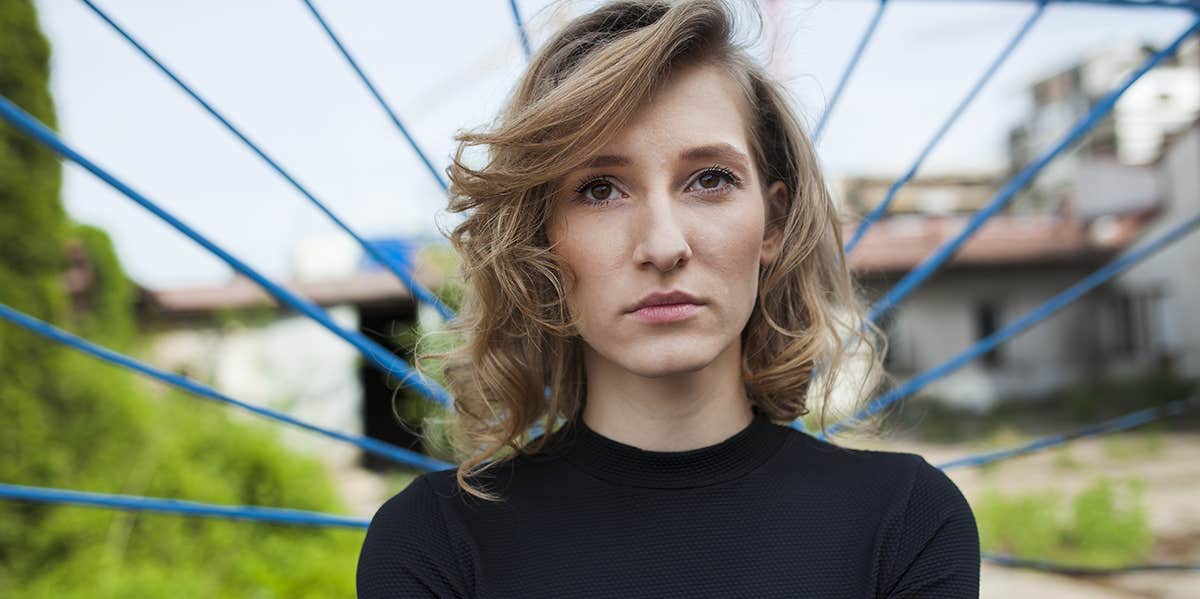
(236, 338)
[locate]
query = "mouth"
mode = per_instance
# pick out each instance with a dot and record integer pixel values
(664, 313)
(665, 298)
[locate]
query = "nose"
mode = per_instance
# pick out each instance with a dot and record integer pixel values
(662, 236)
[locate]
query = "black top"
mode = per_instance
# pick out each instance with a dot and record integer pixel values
(768, 512)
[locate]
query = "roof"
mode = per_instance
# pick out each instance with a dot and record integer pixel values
(363, 288)
(899, 243)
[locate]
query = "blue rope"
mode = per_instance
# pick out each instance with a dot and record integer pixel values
(387, 450)
(881, 209)
(516, 13)
(927, 267)
(1042, 312)
(1120, 423)
(378, 97)
(421, 293)
(1071, 570)
(178, 506)
(1186, 4)
(310, 518)
(377, 353)
(858, 52)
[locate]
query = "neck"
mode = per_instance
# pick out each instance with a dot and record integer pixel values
(675, 412)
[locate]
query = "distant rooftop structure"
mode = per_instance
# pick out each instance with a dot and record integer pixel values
(1165, 100)
(895, 245)
(327, 273)
(937, 195)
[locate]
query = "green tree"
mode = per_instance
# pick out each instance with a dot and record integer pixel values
(72, 421)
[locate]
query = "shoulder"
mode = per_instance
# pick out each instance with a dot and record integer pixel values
(414, 509)
(910, 486)
(888, 475)
(408, 549)
(926, 539)
(935, 552)
(927, 544)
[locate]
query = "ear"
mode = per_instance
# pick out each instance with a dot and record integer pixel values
(776, 200)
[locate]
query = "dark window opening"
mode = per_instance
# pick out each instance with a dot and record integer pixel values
(379, 415)
(987, 322)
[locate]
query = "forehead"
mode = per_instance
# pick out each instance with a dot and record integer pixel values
(698, 105)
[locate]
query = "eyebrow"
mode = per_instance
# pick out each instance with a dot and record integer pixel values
(719, 151)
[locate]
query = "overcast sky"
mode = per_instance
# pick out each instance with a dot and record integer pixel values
(445, 66)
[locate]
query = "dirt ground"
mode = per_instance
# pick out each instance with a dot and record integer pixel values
(1169, 463)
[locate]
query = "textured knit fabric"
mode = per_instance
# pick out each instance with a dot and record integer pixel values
(768, 512)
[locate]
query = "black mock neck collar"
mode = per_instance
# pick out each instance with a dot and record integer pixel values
(627, 465)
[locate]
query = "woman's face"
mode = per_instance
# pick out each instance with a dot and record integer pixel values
(672, 203)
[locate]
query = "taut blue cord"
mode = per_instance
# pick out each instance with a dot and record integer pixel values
(372, 350)
(927, 267)
(1072, 570)
(1042, 312)
(1185, 4)
(516, 13)
(387, 450)
(419, 292)
(841, 86)
(882, 207)
(178, 506)
(378, 96)
(1120, 423)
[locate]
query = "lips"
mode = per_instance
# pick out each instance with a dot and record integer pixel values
(665, 298)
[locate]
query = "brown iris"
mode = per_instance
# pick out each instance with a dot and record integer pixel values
(600, 190)
(710, 180)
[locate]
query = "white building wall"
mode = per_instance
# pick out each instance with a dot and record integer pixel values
(1176, 269)
(940, 320)
(292, 365)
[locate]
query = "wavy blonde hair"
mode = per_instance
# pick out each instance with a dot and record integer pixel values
(520, 357)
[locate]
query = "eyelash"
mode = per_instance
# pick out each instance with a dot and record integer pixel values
(734, 181)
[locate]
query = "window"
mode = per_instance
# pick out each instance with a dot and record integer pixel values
(1136, 322)
(987, 321)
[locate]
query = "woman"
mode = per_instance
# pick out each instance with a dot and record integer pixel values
(654, 264)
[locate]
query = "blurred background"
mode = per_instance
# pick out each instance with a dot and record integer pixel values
(77, 253)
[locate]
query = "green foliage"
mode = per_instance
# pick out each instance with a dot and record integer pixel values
(1064, 459)
(1132, 445)
(246, 318)
(104, 434)
(107, 316)
(1103, 526)
(72, 421)
(32, 222)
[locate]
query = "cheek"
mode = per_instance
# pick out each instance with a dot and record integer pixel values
(734, 242)
(590, 253)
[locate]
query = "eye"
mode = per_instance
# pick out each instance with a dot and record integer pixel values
(597, 190)
(714, 179)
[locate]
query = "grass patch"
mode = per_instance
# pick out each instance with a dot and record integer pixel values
(1064, 459)
(1134, 445)
(1105, 525)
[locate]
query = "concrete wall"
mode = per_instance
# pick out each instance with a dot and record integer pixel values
(292, 365)
(941, 319)
(1175, 271)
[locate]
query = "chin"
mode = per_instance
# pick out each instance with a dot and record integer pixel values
(652, 362)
